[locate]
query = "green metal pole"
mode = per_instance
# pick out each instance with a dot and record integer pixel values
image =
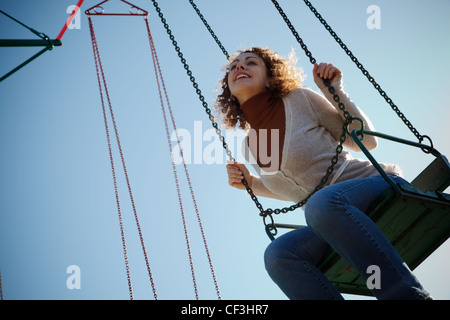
(44, 41)
(23, 64)
(29, 43)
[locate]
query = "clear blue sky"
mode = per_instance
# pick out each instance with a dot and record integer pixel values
(58, 205)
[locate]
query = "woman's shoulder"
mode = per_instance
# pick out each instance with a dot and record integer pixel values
(301, 94)
(305, 100)
(302, 91)
(300, 100)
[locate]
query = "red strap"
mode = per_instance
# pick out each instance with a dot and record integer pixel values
(69, 20)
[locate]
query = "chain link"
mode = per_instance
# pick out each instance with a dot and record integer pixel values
(348, 117)
(225, 52)
(294, 32)
(204, 103)
(101, 78)
(366, 73)
(161, 84)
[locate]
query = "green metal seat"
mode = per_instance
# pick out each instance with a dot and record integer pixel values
(414, 217)
(416, 224)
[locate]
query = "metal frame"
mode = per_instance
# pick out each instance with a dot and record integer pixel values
(93, 10)
(45, 41)
(429, 209)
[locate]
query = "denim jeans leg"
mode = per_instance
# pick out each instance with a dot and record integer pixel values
(336, 215)
(291, 263)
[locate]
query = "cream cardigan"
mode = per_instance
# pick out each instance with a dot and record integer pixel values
(313, 126)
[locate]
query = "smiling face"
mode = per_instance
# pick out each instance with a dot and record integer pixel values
(247, 76)
(264, 71)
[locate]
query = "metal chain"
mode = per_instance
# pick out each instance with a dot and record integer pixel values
(159, 80)
(158, 74)
(225, 52)
(100, 70)
(348, 119)
(294, 32)
(204, 104)
(366, 73)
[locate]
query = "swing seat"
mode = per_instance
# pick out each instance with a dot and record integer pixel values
(416, 223)
(414, 217)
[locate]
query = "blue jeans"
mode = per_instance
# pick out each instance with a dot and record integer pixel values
(335, 217)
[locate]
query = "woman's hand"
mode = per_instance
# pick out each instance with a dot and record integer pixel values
(326, 71)
(236, 172)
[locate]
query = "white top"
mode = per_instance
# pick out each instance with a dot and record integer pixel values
(313, 126)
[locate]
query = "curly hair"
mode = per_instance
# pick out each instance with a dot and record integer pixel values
(283, 78)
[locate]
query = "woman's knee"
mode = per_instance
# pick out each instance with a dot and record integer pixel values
(319, 208)
(298, 245)
(272, 258)
(280, 252)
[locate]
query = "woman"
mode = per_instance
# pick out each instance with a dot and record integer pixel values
(262, 94)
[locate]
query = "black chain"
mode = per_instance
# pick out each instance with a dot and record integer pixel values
(348, 117)
(204, 103)
(348, 120)
(366, 73)
(225, 52)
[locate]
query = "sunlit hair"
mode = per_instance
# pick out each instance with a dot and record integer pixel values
(283, 78)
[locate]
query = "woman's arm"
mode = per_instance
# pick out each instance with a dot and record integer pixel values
(237, 171)
(329, 112)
